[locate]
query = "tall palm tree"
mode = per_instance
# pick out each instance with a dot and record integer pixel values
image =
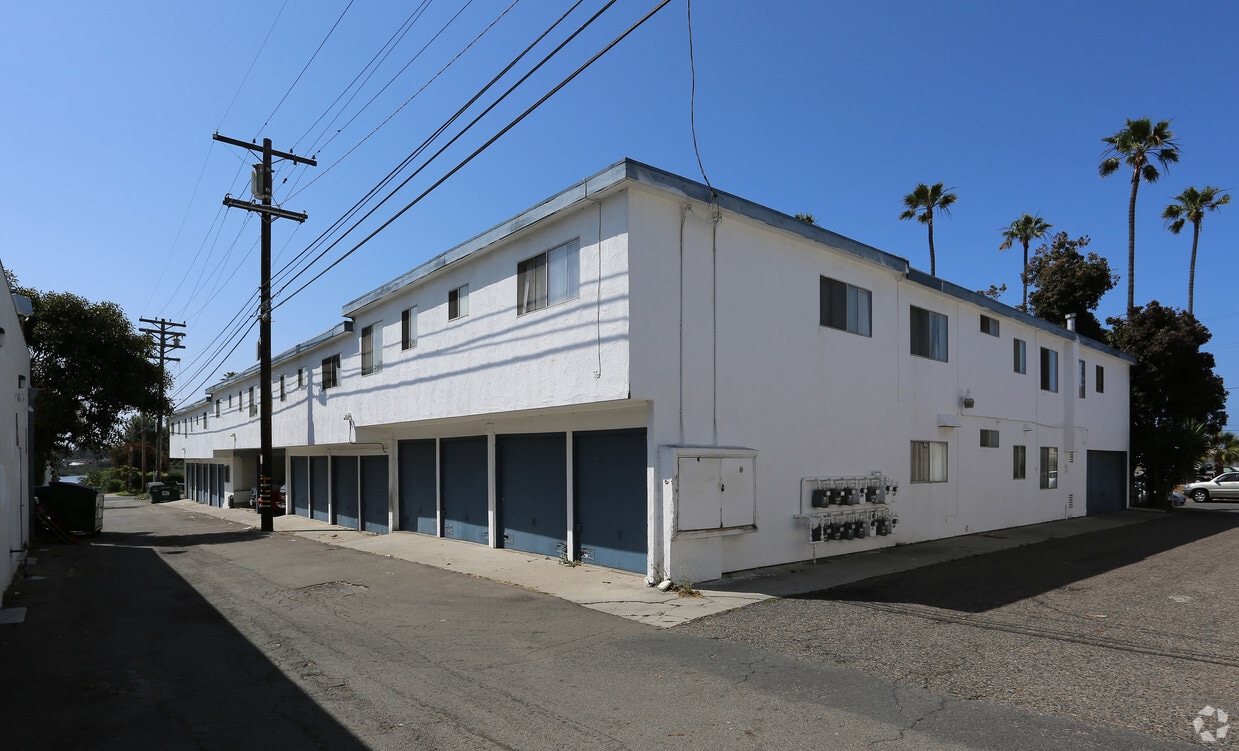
(1024, 230)
(921, 204)
(1191, 207)
(1139, 142)
(1224, 451)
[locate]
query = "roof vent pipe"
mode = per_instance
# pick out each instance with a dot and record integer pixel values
(1071, 321)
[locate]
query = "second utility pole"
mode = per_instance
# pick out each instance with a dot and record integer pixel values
(262, 185)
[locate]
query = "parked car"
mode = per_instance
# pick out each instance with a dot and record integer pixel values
(1224, 487)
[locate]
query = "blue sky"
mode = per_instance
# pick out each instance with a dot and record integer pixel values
(838, 109)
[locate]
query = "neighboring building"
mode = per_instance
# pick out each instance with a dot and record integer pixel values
(14, 450)
(637, 376)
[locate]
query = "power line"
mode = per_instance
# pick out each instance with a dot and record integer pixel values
(306, 67)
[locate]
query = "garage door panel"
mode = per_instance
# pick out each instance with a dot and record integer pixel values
(533, 494)
(609, 478)
(464, 486)
(419, 500)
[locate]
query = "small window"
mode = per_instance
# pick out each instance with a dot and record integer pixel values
(1099, 379)
(1049, 370)
(331, 372)
(989, 325)
(300, 378)
(1081, 379)
(372, 349)
(283, 394)
(929, 334)
(240, 401)
(217, 401)
(548, 278)
(408, 328)
(1021, 355)
(204, 419)
(458, 302)
(230, 401)
(845, 307)
(1049, 468)
(253, 404)
(1019, 462)
(928, 461)
(989, 439)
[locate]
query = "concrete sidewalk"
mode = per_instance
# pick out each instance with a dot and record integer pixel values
(625, 594)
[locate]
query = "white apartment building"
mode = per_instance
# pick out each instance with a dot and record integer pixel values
(15, 481)
(642, 374)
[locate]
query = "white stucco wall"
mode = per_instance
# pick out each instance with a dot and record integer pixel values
(813, 401)
(14, 446)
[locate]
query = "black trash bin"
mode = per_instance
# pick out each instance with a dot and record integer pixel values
(75, 508)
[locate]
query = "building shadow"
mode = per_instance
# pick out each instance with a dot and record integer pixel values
(118, 651)
(980, 583)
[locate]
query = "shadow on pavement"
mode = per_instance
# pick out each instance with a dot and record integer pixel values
(118, 651)
(984, 582)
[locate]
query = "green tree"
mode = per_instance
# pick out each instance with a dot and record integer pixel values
(1024, 230)
(1066, 281)
(1177, 401)
(91, 366)
(1223, 451)
(1137, 145)
(994, 292)
(807, 218)
(1191, 207)
(921, 204)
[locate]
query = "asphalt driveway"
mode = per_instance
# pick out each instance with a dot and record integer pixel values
(1132, 627)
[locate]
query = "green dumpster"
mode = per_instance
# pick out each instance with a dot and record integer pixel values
(161, 493)
(76, 508)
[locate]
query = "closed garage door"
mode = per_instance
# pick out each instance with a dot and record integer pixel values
(1107, 482)
(374, 494)
(609, 478)
(533, 493)
(419, 505)
(464, 488)
(320, 492)
(344, 491)
(299, 486)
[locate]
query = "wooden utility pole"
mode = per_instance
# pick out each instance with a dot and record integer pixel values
(168, 339)
(262, 186)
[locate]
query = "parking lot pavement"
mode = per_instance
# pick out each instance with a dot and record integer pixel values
(1133, 626)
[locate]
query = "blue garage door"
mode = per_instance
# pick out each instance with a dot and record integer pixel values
(299, 486)
(1107, 482)
(609, 480)
(320, 493)
(344, 491)
(374, 494)
(532, 492)
(217, 485)
(419, 505)
(464, 489)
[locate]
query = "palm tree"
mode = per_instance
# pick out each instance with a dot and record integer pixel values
(1135, 145)
(1025, 229)
(1224, 451)
(1191, 207)
(920, 205)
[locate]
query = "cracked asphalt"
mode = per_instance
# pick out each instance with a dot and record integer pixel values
(1133, 628)
(175, 630)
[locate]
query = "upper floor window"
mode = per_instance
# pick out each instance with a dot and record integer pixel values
(548, 278)
(845, 307)
(929, 334)
(300, 378)
(989, 325)
(1021, 355)
(283, 394)
(1049, 370)
(372, 349)
(331, 372)
(458, 302)
(408, 328)
(217, 407)
(989, 438)
(253, 404)
(1099, 379)
(1081, 379)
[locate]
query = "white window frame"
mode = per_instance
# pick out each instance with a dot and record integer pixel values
(372, 348)
(458, 302)
(408, 328)
(989, 325)
(1049, 370)
(331, 372)
(1019, 350)
(1049, 467)
(1019, 462)
(928, 462)
(548, 278)
(845, 307)
(989, 438)
(929, 334)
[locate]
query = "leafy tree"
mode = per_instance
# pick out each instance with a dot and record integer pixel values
(921, 204)
(1067, 281)
(807, 218)
(1139, 142)
(1191, 207)
(1223, 450)
(1177, 401)
(1024, 230)
(90, 367)
(994, 292)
